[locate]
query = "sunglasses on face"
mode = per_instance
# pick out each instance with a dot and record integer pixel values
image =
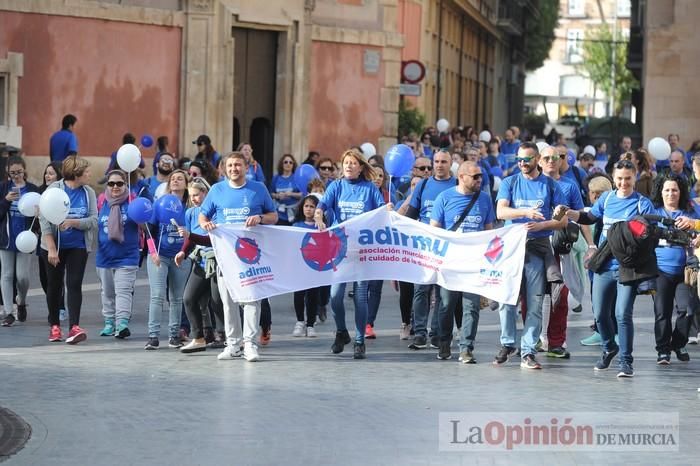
(624, 164)
(166, 162)
(118, 184)
(478, 176)
(325, 167)
(424, 168)
(524, 159)
(551, 158)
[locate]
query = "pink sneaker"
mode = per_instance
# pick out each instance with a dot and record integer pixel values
(55, 333)
(76, 335)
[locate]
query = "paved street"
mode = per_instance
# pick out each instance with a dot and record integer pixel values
(111, 402)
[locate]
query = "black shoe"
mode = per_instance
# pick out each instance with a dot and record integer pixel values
(174, 342)
(530, 362)
(434, 342)
(8, 321)
(342, 338)
(606, 359)
(625, 370)
(577, 309)
(359, 351)
(22, 312)
(419, 342)
(504, 354)
(682, 355)
(208, 334)
(444, 353)
(152, 343)
(558, 352)
(664, 359)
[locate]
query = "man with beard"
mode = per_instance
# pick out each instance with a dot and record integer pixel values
(166, 165)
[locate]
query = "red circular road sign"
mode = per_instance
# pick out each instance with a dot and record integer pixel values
(412, 71)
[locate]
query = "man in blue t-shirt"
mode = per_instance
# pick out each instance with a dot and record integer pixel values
(450, 206)
(237, 200)
(418, 206)
(530, 198)
(509, 147)
(63, 142)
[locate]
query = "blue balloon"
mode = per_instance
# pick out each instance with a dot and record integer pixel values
(168, 207)
(399, 160)
(140, 210)
(303, 175)
(146, 140)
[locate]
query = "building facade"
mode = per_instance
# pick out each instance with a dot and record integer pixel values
(662, 55)
(559, 86)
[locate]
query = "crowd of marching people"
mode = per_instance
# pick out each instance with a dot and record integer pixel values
(577, 207)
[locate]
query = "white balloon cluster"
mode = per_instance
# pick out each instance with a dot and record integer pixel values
(54, 205)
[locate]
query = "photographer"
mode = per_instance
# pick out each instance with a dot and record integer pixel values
(610, 296)
(671, 202)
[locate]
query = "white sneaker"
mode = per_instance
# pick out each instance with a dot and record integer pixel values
(250, 352)
(299, 329)
(405, 331)
(692, 340)
(310, 332)
(230, 352)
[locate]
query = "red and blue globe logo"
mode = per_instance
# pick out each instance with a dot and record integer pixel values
(324, 250)
(247, 250)
(494, 250)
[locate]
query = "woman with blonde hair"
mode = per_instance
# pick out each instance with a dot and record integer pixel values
(65, 248)
(351, 195)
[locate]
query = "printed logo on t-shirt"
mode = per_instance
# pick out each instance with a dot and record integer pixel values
(350, 209)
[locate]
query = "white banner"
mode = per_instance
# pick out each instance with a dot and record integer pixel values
(265, 261)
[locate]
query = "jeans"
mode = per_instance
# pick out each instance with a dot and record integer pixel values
(374, 297)
(610, 297)
(235, 332)
(470, 317)
(15, 265)
(421, 309)
(175, 277)
(532, 288)
(117, 292)
(71, 267)
(667, 338)
(361, 308)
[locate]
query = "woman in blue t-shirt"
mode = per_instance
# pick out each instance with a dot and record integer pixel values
(65, 248)
(610, 297)
(311, 297)
(284, 190)
(671, 200)
(16, 265)
(163, 273)
(255, 171)
(118, 254)
(350, 196)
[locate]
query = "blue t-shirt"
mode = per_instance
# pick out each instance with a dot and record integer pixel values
(671, 258)
(282, 184)
(350, 198)
(62, 144)
(613, 209)
(79, 208)
(424, 202)
(152, 183)
(450, 204)
(18, 222)
(226, 204)
(255, 173)
(111, 254)
(572, 194)
(509, 151)
(311, 226)
(542, 193)
(169, 242)
(192, 225)
(571, 176)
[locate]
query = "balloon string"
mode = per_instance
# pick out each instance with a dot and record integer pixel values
(160, 237)
(128, 184)
(32, 225)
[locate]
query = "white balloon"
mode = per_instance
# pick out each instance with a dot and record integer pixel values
(659, 148)
(128, 157)
(442, 125)
(541, 145)
(54, 205)
(589, 150)
(496, 182)
(368, 149)
(26, 242)
(160, 190)
(485, 136)
(28, 203)
(454, 169)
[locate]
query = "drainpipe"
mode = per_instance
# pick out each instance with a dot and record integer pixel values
(439, 63)
(459, 75)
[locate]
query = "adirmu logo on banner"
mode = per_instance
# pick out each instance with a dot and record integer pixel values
(265, 261)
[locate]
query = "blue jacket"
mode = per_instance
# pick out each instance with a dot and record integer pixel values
(5, 210)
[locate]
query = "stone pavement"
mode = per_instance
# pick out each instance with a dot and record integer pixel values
(110, 402)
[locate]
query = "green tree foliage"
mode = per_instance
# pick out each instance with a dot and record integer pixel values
(411, 120)
(540, 33)
(597, 64)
